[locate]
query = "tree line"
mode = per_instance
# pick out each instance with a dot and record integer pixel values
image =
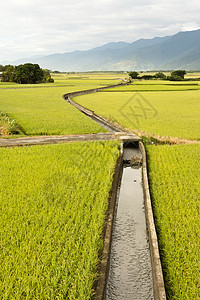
(25, 74)
(177, 75)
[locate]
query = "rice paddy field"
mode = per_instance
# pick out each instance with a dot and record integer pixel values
(166, 109)
(40, 110)
(174, 182)
(156, 108)
(53, 198)
(53, 201)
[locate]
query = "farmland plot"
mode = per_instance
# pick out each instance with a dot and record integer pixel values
(174, 182)
(158, 113)
(43, 112)
(40, 109)
(53, 201)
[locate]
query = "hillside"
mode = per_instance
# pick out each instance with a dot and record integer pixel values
(181, 50)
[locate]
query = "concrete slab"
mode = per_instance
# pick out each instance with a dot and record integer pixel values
(43, 140)
(130, 137)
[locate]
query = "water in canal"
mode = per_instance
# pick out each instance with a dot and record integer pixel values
(130, 273)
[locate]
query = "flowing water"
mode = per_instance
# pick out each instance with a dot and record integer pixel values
(130, 272)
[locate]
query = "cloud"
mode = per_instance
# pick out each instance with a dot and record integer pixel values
(44, 27)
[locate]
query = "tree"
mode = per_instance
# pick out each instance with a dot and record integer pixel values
(27, 73)
(147, 77)
(160, 75)
(134, 74)
(174, 78)
(179, 73)
(7, 75)
(1, 68)
(47, 76)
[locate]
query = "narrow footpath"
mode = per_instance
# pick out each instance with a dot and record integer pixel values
(43, 140)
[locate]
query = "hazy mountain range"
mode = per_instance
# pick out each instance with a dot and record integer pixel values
(179, 51)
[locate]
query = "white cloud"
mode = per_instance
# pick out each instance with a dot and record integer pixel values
(41, 27)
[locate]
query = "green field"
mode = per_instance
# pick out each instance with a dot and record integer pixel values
(153, 110)
(40, 109)
(79, 81)
(167, 109)
(174, 182)
(53, 201)
(53, 198)
(157, 85)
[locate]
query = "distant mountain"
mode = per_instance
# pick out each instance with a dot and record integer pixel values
(111, 45)
(179, 51)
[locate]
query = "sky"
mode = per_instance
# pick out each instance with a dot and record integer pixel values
(42, 27)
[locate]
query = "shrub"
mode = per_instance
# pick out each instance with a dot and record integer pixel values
(179, 73)
(160, 75)
(8, 125)
(174, 78)
(49, 79)
(133, 75)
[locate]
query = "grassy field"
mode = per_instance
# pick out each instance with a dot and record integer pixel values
(169, 109)
(40, 109)
(174, 181)
(53, 201)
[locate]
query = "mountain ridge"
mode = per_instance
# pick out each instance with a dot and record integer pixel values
(181, 50)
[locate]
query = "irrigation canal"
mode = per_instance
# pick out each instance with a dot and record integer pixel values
(130, 268)
(130, 272)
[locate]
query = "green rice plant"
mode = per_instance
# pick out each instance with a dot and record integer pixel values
(53, 201)
(43, 112)
(157, 85)
(72, 81)
(40, 109)
(174, 184)
(157, 113)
